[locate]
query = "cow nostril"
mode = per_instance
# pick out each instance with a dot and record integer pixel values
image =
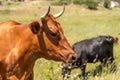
(73, 58)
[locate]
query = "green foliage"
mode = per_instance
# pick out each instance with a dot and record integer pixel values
(107, 4)
(0, 2)
(92, 4)
(79, 1)
(118, 0)
(61, 2)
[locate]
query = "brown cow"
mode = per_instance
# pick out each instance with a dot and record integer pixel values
(22, 44)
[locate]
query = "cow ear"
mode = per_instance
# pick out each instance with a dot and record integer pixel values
(100, 40)
(35, 27)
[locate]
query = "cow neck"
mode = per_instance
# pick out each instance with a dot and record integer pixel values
(41, 39)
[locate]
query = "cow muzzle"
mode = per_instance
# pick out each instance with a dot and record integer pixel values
(74, 58)
(70, 59)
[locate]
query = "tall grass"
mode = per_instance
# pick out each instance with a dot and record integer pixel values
(78, 24)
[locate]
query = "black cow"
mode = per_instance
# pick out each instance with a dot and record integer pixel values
(89, 51)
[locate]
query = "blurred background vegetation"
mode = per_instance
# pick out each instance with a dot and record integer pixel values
(82, 19)
(91, 4)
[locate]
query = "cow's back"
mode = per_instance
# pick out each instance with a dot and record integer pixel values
(11, 34)
(88, 48)
(85, 45)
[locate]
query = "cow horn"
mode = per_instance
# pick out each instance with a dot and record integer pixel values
(45, 14)
(60, 13)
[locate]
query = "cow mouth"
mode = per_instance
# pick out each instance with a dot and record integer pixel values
(66, 58)
(60, 57)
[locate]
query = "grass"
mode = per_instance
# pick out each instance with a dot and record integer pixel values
(78, 24)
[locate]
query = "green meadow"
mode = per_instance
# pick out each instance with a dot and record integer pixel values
(78, 24)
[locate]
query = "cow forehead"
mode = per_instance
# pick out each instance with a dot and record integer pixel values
(52, 23)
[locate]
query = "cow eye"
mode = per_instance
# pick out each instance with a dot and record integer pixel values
(55, 35)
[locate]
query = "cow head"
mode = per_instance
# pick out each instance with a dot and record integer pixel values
(106, 39)
(53, 44)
